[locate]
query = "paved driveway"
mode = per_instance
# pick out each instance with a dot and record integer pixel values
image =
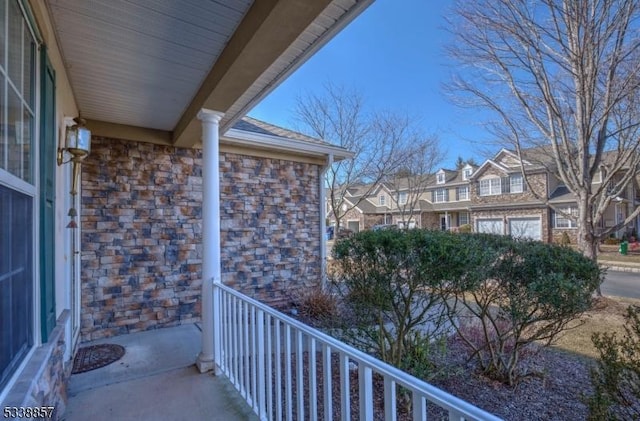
(622, 284)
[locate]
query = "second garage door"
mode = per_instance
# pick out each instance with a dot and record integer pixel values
(530, 228)
(490, 226)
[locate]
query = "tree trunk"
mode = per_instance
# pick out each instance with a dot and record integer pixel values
(588, 245)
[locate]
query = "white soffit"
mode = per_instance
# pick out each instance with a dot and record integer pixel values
(161, 50)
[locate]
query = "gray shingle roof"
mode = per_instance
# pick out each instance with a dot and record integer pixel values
(250, 124)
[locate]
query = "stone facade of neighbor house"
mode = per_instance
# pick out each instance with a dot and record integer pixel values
(141, 218)
(538, 182)
(557, 234)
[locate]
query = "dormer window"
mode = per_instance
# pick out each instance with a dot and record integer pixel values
(440, 177)
(466, 172)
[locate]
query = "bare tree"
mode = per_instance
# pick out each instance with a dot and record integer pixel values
(560, 75)
(420, 156)
(378, 141)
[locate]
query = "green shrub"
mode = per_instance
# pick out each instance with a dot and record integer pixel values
(616, 378)
(517, 294)
(389, 279)
(513, 294)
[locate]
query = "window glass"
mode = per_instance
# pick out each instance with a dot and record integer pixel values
(17, 95)
(490, 186)
(561, 221)
(463, 218)
(516, 182)
(402, 199)
(382, 200)
(463, 193)
(441, 195)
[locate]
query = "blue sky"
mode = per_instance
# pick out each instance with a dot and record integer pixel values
(393, 54)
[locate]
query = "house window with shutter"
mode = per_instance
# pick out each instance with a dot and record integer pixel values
(462, 193)
(490, 186)
(442, 195)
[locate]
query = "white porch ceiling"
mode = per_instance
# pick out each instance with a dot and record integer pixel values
(153, 64)
(141, 62)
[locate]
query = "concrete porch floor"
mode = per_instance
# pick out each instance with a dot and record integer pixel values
(155, 380)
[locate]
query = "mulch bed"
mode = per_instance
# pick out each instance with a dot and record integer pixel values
(96, 356)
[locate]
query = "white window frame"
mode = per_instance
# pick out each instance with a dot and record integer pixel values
(382, 200)
(562, 222)
(466, 173)
(490, 186)
(22, 184)
(466, 217)
(464, 189)
(403, 197)
(440, 192)
(440, 178)
(517, 187)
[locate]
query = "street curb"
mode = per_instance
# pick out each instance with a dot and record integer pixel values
(611, 265)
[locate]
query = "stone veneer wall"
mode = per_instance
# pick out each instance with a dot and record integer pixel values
(538, 184)
(141, 233)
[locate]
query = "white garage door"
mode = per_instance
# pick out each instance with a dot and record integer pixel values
(490, 226)
(530, 228)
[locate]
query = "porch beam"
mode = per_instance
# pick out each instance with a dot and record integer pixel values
(260, 40)
(209, 357)
(127, 132)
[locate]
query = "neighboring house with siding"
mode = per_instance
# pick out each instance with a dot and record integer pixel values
(496, 198)
(159, 99)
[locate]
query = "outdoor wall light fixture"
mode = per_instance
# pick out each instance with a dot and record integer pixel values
(77, 143)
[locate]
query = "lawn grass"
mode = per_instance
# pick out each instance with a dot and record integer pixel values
(610, 253)
(606, 316)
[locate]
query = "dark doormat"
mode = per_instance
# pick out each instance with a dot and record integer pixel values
(96, 356)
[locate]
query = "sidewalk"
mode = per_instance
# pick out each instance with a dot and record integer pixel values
(155, 380)
(620, 266)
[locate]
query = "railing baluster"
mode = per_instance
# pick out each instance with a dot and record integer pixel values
(300, 375)
(236, 339)
(278, 338)
(253, 358)
(223, 333)
(327, 382)
(269, 373)
(241, 325)
(313, 381)
(261, 365)
(254, 364)
(287, 362)
(419, 407)
(345, 398)
(245, 357)
(365, 391)
(389, 399)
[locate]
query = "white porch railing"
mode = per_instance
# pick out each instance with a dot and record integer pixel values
(283, 369)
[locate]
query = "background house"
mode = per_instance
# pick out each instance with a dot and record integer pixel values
(492, 198)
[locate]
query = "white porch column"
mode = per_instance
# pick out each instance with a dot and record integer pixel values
(211, 272)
